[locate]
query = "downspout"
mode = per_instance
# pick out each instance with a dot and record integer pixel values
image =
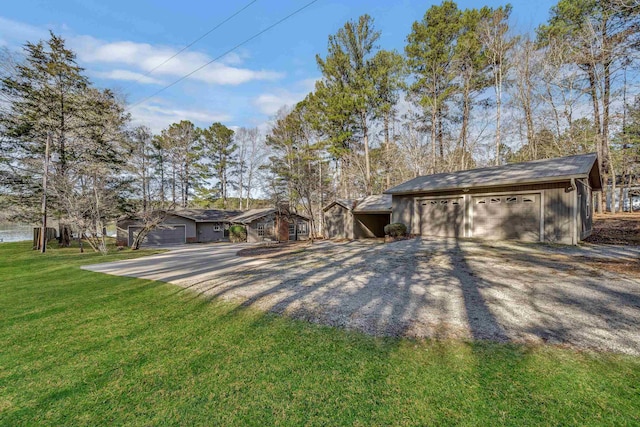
(574, 214)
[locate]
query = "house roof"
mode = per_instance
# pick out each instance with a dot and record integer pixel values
(378, 203)
(537, 171)
(345, 203)
(206, 215)
(253, 214)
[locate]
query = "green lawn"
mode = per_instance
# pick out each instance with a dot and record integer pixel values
(82, 348)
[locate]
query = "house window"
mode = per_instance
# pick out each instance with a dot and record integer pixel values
(302, 228)
(588, 202)
(494, 200)
(527, 200)
(292, 228)
(260, 229)
(216, 227)
(511, 199)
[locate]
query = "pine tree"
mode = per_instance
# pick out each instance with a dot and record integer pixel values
(218, 149)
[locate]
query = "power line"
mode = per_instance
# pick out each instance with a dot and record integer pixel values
(194, 42)
(223, 54)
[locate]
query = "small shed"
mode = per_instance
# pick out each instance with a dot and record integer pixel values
(270, 224)
(544, 200)
(363, 218)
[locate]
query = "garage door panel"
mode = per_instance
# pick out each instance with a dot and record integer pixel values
(167, 235)
(507, 217)
(442, 217)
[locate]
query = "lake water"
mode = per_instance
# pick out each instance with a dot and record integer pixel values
(18, 232)
(15, 232)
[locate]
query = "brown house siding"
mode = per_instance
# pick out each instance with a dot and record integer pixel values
(560, 208)
(338, 223)
(275, 228)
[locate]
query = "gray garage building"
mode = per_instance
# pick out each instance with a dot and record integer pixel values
(544, 200)
(357, 219)
(182, 226)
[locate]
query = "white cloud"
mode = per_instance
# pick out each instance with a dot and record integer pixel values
(146, 57)
(270, 103)
(127, 75)
(13, 32)
(158, 116)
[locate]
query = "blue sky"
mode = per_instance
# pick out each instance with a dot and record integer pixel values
(118, 41)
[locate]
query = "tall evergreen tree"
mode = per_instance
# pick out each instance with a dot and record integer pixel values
(431, 48)
(471, 62)
(219, 148)
(494, 34)
(46, 98)
(347, 89)
(180, 144)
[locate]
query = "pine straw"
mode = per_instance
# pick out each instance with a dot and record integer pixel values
(616, 229)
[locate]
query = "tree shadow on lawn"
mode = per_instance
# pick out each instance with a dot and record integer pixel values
(220, 363)
(195, 362)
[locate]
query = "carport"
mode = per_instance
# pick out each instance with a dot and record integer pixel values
(362, 219)
(367, 225)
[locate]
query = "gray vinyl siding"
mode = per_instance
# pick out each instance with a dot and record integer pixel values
(269, 223)
(123, 228)
(207, 231)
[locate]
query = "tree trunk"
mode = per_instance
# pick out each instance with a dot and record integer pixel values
(173, 184)
(367, 163)
(387, 150)
(498, 82)
(593, 93)
(608, 162)
(466, 109)
(629, 196)
(144, 180)
(440, 135)
(434, 119)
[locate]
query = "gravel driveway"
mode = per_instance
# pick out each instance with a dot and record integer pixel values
(587, 297)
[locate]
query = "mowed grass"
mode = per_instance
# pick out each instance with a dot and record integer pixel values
(82, 348)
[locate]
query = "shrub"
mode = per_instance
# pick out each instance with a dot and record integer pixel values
(237, 233)
(397, 229)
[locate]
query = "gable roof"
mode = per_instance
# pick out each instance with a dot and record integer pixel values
(206, 215)
(345, 203)
(253, 214)
(378, 203)
(537, 171)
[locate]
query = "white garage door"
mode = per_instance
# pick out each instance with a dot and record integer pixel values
(507, 217)
(167, 235)
(442, 217)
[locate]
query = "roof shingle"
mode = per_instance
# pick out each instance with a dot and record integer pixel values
(548, 170)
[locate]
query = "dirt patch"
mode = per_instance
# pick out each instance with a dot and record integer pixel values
(616, 229)
(630, 268)
(273, 250)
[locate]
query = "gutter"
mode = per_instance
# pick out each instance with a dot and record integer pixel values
(510, 183)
